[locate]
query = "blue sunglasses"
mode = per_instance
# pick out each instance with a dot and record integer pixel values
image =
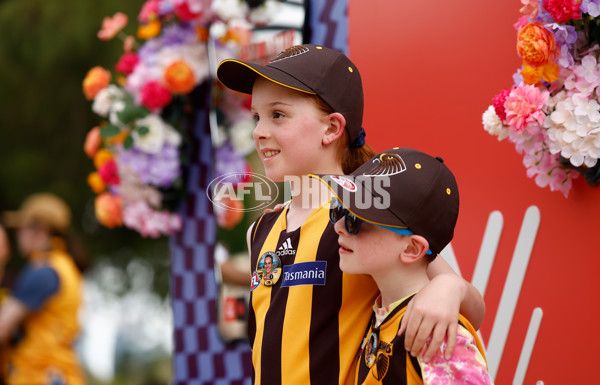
(337, 211)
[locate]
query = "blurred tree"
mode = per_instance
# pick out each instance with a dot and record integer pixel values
(46, 49)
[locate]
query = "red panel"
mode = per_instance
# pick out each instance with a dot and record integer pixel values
(430, 69)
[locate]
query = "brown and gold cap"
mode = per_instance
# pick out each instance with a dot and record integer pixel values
(308, 68)
(402, 188)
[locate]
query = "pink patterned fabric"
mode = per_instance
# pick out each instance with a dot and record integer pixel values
(466, 367)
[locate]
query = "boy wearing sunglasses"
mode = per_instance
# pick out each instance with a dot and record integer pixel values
(393, 216)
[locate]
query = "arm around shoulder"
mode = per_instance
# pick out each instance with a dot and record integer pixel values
(472, 305)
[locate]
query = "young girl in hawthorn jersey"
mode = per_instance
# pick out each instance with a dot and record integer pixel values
(305, 327)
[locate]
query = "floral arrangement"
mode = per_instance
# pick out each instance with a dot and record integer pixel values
(552, 111)
(137, 147)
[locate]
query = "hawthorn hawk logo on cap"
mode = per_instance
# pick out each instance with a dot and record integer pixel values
(290, 52)
(387, 164)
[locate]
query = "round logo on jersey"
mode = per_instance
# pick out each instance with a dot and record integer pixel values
(371, 349)
(269, 268)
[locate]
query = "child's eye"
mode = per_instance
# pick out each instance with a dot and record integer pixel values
(277, 115)
(256, 118)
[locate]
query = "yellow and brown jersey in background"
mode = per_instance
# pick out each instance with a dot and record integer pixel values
(46, 350)
(306, 327)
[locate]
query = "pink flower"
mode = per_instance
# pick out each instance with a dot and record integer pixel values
(148, 222)
(530, 8)
(521, 22)
(128, 43)
(109, 172)
(112, 25)
(127, 63)
(563, 10)
(149, 11)
(154, 95)
(498, 103)
(523, 108)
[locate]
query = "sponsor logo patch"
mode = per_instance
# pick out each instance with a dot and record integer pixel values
(286, 248)
(304, 273)
(346, 183)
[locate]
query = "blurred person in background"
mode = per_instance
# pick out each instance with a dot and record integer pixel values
(39, 316)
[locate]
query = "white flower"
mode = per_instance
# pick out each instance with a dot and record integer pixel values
(574, 130)
(158, 133)
(230, 9)
(262, 15)
(105, 98)
(241, 136)
(493, 125)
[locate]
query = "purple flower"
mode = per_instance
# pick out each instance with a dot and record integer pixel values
(591, 7)
(178, 34)
(156, 169)
(565, 37)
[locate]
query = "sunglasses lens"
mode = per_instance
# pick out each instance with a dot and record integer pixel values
(336, 210)
(352, 223)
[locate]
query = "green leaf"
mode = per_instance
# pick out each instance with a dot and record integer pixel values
(141, 112)
(143, 130)
(127, 114)
(128, 142)
(109, 130)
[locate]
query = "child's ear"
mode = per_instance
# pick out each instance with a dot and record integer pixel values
(415, 248)
(335, 128)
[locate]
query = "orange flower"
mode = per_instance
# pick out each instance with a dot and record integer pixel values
(536, 45)
(149, 30)
(96, 80)
(96, 182)
(101, 157)
(112, 25)
(230, 212)
(202, 33)
(179, 77)
(549, 72)
(92, 142)
(108, 210)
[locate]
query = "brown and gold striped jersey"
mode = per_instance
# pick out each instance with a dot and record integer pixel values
(306, 317)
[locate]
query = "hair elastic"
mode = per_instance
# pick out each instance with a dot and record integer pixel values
(359, 141)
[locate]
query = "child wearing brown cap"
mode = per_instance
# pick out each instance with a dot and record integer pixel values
(304, 325)
(393, 216)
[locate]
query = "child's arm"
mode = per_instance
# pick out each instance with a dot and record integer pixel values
(434, 310)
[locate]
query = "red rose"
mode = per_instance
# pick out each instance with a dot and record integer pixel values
(127, 63)
(155, 95)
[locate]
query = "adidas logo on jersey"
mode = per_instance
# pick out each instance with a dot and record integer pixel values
(286, 248)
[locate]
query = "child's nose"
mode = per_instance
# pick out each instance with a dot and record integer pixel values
(260, 131)
(339, 226)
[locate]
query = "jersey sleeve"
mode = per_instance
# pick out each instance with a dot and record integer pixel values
(35, 286)
(466, 367)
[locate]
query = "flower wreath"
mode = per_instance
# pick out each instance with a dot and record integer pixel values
(136, 149)
(551, 113)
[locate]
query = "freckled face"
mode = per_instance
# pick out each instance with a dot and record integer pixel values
(289, 130)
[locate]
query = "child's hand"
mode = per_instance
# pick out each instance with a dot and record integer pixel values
(433, 312)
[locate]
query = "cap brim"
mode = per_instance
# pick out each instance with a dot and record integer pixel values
(240, 76)
(360, 200)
